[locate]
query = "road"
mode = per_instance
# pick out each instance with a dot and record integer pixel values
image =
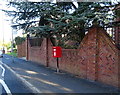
(9, 83)
(35, 78)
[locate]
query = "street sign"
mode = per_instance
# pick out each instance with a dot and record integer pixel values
(57, 51)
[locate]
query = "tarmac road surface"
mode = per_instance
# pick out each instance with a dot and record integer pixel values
(10, 84)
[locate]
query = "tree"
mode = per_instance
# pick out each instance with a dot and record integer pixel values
(56, 20)
(18, 40)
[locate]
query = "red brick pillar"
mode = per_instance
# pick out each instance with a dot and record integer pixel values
(118, 69)
(92, 65)
(117, 34)
(47, 59)
(27, 47)
(117, 27)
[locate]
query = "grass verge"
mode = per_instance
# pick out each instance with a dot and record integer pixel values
(12, 54)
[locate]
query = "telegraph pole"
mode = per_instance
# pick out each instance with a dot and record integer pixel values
(3, 43)
(3, 49)
(12, 42)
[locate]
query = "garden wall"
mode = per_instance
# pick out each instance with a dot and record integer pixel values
(21, 49)
(38, 53)
(97, 57)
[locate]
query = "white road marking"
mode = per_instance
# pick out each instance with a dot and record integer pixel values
(28, 84)
(5, 87)
(3, 70)
(2, 81)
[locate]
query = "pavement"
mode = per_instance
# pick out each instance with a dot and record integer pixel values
(41, 79)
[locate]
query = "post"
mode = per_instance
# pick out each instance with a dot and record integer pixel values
(12, 42)
(57, 54)
(12, 47)
(27, 47)
(57, 65)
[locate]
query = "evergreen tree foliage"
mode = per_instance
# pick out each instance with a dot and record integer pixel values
(19, 40)
(62, 20)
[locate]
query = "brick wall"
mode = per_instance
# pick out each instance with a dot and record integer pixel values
(38, 54)
(21, 49)
(97, 57)
(52, 61)
(108, 57)
(69, 61)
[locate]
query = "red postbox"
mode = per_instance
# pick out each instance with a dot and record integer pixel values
(57, 52)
